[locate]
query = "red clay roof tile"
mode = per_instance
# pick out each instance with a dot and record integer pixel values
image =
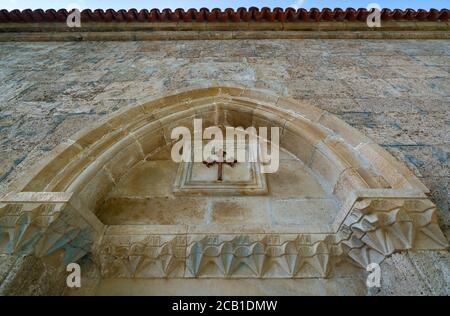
(217, 15)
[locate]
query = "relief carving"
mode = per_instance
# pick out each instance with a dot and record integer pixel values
(384, 226)
(45, 229)
(58, 224)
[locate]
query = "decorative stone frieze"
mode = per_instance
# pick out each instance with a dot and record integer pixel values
(374, 228)
(261, 256)
(129, 256)
(219, 256)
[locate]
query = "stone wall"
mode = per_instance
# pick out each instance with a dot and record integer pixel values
(395, 92)
(29, 275)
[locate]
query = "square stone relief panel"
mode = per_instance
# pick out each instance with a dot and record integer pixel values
(239, 178)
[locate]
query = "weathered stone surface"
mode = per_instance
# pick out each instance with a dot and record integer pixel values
(238, 211)
(416, 273)
(165, 210)
(293, 180)
(395, 92)
(6, 264)
(90, 279)
(242, 287)
(31, 276)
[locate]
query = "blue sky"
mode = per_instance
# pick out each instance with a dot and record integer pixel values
(140, 4)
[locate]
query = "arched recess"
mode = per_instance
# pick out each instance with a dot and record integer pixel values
(384, 207)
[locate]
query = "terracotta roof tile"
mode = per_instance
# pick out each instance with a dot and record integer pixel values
(217, 15)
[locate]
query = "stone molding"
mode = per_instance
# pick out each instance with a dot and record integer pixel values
(185, 185)
(374, 229)
(38, 32)
(215, 24)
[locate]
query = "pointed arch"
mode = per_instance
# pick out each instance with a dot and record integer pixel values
(76, 177)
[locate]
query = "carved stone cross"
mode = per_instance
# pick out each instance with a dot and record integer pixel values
(219, 161)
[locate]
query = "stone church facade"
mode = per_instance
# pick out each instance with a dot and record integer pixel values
(86, 174)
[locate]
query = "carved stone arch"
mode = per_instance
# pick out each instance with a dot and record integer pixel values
(383, 207)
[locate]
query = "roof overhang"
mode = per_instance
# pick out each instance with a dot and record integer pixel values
(253, 23)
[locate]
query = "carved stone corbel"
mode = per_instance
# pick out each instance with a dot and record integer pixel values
(380, 227)
(45, 224)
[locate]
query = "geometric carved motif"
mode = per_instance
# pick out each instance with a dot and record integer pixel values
(380, 227)
(218, 256)
(265, 256)
(152, 256)
(44, 229)
(374, 229)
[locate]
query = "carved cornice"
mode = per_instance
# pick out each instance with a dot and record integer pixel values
(56, 224)
(217, 24)
(374, 229)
